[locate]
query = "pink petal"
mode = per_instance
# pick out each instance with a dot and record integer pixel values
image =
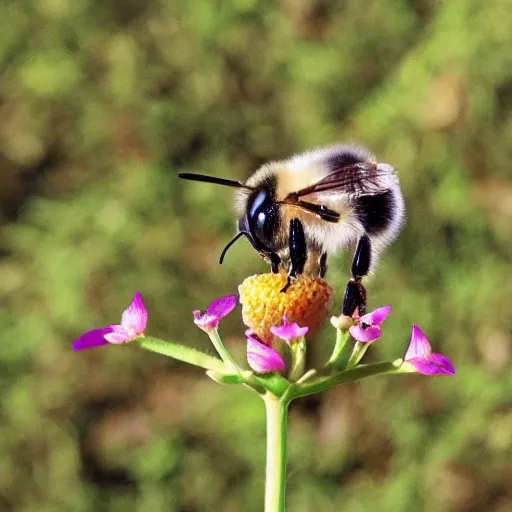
(443, 363)
(119, 335)
(216, 310)
(419, 346)
(222, 307)
(419, 354)
(376, 317)
(288, 332)
(364, 335)
(436, 364)
(205, 322)
(91, 339)
(135, 316)
(263, 359)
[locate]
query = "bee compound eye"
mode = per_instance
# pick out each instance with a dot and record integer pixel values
(261, 217)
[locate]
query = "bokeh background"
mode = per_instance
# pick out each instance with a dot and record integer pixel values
(102, 103)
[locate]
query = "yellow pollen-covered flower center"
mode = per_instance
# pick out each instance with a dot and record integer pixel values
(306, 302)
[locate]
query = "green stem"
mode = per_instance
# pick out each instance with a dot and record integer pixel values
(341, 352)
(358, 372)
(221, 349)
(275, 479)
(358, 353)
(181, 353)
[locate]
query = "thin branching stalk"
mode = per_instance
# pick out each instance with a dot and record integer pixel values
(275, 478)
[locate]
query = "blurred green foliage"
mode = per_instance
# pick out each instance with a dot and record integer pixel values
(102, 103)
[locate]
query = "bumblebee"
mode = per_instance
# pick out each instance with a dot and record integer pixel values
(297, 212)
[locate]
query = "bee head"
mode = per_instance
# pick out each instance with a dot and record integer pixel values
(259, 224)
(260, 221)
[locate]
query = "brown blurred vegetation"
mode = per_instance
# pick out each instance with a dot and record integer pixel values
(102, 103)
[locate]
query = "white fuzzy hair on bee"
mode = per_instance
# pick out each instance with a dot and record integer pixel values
(299, 211)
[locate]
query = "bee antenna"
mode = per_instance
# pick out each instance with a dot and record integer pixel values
(229, 244)
(212, 179)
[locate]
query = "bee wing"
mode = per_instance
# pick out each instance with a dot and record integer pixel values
(359, 178)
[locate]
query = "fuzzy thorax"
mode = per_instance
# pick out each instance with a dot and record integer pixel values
(307, 302)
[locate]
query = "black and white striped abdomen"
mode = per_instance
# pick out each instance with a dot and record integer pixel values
(381, 215)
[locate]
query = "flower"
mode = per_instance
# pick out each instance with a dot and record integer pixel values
(289, 332)
(306, 301)
(420, 356)
(367, 328)
(262, 358)
(133, 323)
(216, 310)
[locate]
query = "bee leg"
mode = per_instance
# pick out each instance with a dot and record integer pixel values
(323, 264)
(355, 293)
(355, 298)
(298, 250)
(362, 258)
(275, 261)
